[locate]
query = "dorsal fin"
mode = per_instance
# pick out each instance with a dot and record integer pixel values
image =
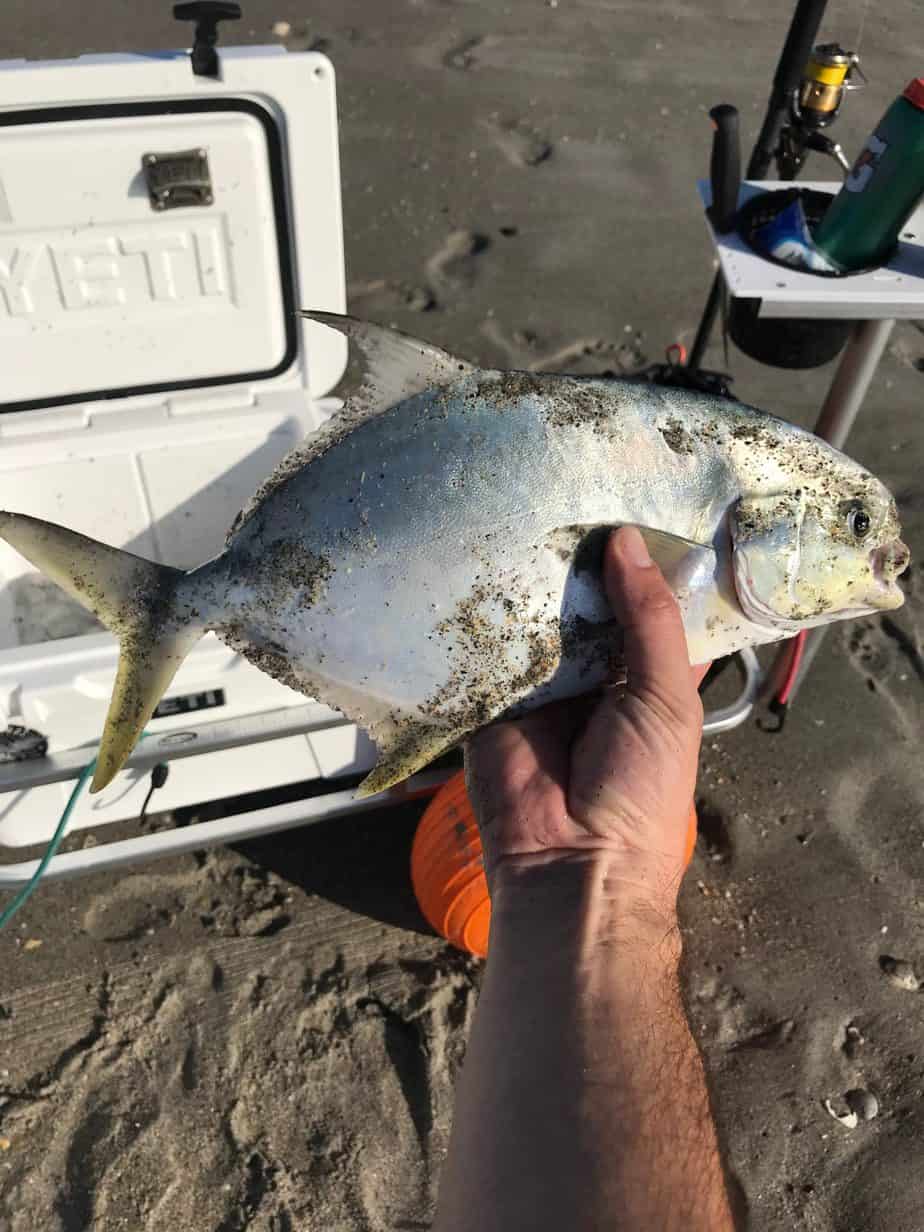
(395, 366)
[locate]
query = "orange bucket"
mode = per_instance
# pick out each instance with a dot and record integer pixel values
(447, 868)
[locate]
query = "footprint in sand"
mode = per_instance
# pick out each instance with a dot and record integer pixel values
(724, 1019)
(905, 627)
(463, 57)
(886, 652)
(135, 906)
(380, 297)
(526, 351)
(454, 267)
(522, 145)
(888, 783)
(906, 643)
(450, 271)
(899, 973)
(870, 652)
(229, 899)
(713, 832)
(849, 1041)
(905, 348)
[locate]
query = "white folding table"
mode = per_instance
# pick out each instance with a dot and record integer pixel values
(873, 300)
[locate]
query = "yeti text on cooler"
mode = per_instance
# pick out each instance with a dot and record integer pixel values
(58, 271)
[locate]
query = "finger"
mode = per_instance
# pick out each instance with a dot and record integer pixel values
(655, 647)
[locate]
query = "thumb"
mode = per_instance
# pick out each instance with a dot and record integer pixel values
(655, 646)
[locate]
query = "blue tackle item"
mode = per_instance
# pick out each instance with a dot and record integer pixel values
(787, 238)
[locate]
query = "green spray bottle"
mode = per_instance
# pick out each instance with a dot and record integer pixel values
(862, 225)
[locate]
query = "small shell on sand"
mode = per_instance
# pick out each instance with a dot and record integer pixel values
(863, 1103)
(862, 1106)
(899, 973)
(849, 1120)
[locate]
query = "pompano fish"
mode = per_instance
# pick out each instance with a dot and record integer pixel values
(430, 559)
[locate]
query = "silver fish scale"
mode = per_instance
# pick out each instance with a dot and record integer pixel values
(428, 529)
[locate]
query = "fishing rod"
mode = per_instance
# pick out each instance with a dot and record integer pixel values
(808, 89)
(787, 79)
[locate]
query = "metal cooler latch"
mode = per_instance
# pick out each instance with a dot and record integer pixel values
(177, 179)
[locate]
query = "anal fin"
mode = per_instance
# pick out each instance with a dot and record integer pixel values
(410, 750)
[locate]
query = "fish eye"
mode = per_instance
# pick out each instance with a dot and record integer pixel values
(858, 522)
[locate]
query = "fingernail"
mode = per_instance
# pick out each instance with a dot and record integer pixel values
(633, 547)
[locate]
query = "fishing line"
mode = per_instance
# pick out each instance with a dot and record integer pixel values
(864, 6)
(158, 778)
(27, 890)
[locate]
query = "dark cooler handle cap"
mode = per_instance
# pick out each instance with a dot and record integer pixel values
(206, 14)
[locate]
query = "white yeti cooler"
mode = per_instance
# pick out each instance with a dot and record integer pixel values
(158, 228)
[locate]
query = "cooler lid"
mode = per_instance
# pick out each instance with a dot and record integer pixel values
(159, 229)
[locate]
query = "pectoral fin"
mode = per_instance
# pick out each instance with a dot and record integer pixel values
(680, 560)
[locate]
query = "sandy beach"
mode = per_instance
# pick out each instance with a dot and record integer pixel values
(266, 1037)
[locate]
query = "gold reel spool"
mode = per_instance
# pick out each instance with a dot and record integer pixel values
(828, 74)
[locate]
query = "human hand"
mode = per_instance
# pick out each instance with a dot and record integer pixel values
(610, 776)
(583, 1100)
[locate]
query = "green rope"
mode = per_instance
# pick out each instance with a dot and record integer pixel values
(26, 892)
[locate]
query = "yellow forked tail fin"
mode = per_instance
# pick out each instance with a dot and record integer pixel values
(134, 598)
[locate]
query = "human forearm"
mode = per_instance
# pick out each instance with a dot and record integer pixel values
(582, 1104)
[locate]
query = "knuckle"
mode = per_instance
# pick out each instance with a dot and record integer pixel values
(656, 597)
(655, 609)
(654, 587)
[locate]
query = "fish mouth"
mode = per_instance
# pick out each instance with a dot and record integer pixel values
(887, 563)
